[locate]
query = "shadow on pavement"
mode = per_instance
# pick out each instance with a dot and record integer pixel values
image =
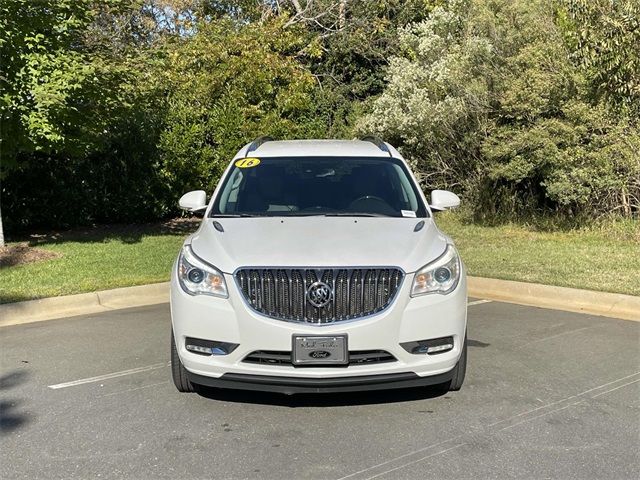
(477, 343)
(10, 418)
(372, 397)
(330, 399)
(126, 233)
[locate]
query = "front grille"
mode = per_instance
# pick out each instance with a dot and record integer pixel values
(361, 357)
(283, 293)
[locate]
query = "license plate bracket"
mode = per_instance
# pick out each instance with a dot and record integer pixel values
(319, 350)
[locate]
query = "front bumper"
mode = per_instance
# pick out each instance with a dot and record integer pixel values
(291, 385)
(406, 320)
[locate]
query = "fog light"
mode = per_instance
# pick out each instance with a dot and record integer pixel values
(209, 347)
(199, 349)
(429, 347)
(440, 348)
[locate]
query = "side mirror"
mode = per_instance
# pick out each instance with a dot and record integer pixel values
(193, 201)
(444, 200)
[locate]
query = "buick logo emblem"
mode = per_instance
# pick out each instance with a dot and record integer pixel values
(319, 294)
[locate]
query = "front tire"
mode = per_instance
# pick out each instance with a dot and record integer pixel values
(178, 372)
(460, 369)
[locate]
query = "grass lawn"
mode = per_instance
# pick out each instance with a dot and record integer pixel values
(96, 259)
(605, 258)
(117, 256)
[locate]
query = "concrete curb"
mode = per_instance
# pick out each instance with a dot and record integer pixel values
(614, 305)
(83, 304)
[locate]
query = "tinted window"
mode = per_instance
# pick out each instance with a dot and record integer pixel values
(323, 186)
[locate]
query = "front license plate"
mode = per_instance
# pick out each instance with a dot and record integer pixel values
(317, 350)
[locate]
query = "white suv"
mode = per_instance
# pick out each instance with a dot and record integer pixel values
(318, 268)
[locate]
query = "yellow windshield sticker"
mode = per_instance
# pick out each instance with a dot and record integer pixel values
(248, 162)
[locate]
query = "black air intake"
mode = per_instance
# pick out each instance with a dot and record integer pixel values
(359, 357)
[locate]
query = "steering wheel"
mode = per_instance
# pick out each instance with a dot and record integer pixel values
(315, 208)
(371, 203)
(368, 197)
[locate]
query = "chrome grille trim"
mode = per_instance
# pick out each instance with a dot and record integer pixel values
(281, 292)
(359, 357)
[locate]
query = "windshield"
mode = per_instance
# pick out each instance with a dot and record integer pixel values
(298, 186)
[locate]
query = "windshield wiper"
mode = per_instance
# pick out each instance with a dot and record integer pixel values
(235, 215)
(356, 214)
(302, 214)
(334, 214)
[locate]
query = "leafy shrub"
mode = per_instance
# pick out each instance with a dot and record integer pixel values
(486, 98)
(111, 109)
(227, 85)
(437, 97)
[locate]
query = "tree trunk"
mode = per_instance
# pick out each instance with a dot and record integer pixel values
(297, 7)
(342, 13)
(1, 229)
(626, 203)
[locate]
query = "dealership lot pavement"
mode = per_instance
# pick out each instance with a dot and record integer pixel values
(548, 394)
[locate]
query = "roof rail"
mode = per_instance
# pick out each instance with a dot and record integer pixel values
(256, 143)
(378, 142)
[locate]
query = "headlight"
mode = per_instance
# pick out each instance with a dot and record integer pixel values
(197, 277)
(440, 276)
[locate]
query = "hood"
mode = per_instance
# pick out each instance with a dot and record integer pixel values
(318, 242)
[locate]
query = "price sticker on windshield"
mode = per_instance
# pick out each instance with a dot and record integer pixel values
(247, 162)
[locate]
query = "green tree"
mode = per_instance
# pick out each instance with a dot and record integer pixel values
(45, 77)
(439, 92)
(486, 95)
(79, 116)
(350, 45)
(225, 85)
(53, 96)
(604, 37)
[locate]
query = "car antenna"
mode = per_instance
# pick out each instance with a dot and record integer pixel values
(256, 143)
(378, 142)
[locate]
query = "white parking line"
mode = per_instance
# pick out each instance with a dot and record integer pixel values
(108, 376)
(616, 388)
(416, 461)
(478, 302)
(408, 459)
(132, 371)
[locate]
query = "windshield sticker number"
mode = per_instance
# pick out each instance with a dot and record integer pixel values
(248, 162)
(408, 213)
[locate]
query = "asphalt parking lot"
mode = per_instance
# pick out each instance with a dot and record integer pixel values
(548, 394)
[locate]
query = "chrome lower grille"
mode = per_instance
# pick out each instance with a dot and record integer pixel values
(349, 293)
